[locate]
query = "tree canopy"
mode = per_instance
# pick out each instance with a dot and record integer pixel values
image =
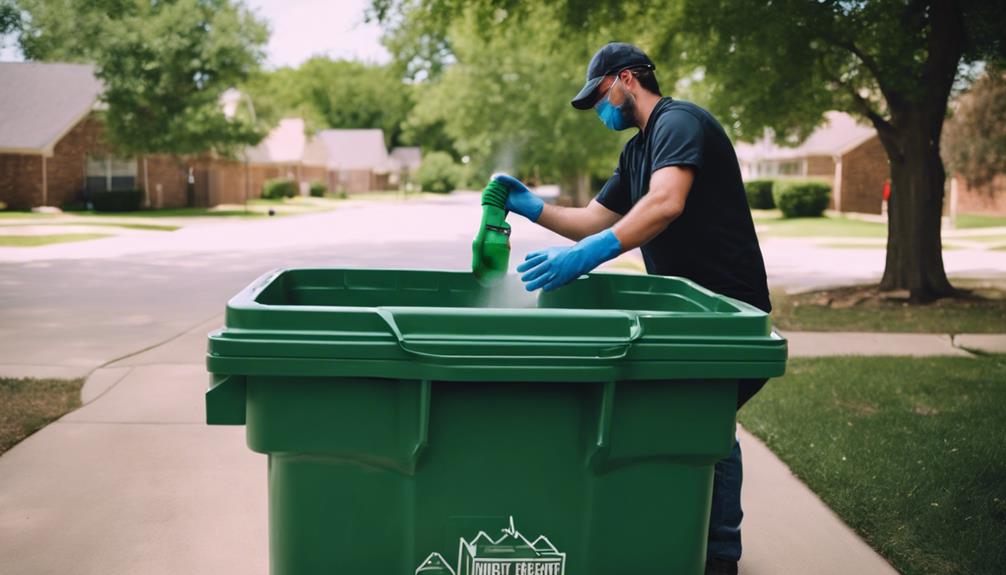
(975, 137)
(777, 65)
(335, 94)
(164, 66)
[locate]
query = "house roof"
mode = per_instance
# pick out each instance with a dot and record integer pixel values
(284, 145)
(41, 102)
(355, 149)
(840, 134)
(406, 157)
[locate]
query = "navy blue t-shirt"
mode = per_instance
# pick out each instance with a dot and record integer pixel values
(713, 241)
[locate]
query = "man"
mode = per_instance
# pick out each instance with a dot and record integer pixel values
(677, 194)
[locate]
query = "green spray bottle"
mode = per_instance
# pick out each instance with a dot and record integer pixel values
(491, 248)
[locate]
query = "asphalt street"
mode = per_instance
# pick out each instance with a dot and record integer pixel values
(66, 309)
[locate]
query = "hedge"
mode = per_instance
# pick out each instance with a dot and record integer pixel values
(801, 199)
(318, 190)
(760, 194)
(117, 200)
(278, 189)
(438, 173)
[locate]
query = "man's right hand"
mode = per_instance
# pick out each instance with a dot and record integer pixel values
(520, 200)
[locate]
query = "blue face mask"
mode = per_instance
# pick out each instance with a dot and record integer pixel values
(614, 117)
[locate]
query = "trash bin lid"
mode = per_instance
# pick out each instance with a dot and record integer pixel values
(442, 325)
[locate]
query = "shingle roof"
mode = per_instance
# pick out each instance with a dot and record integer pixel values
(408, 158)
(284, 144)
(840, 134)
(355, 149)
(40, 103)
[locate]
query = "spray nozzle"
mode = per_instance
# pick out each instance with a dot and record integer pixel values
(491, 247)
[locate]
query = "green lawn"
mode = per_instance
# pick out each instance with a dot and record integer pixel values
(33, 241)
(180, 213)
(858, 309)
(90, 223)
(909, 452)
(818, 227)
(965, 221)
(27, 405)
(13, 215)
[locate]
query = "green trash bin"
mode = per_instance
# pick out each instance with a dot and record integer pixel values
(418, 423)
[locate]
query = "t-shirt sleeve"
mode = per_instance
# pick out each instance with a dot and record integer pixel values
(615, 193)
(678, 139)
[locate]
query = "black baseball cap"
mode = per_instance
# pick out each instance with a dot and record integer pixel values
(610, 59)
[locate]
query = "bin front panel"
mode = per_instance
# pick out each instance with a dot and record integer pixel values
(614, 475)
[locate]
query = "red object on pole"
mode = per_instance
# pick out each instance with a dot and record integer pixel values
(887, 190)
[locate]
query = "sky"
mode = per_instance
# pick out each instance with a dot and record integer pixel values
(303, 28)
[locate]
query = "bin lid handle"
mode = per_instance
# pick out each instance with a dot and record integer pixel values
(607, 348)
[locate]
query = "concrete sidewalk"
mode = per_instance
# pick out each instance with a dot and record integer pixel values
(135, 482)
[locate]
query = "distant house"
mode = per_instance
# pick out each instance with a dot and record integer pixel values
(843, 152)
(357, 160)
(348, 160)
(288, 153)
(53, 151)
(404, 163)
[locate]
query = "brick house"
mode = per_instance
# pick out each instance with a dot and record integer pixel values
(47, 134)
(357, 160)
(843, 152)
(53, 151)
(285, 153)
(349, 160)
(404, 163)
(971, 197)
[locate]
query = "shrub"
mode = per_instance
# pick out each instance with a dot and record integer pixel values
(438, 173)
(278, 189)
(760, 194)
(801, 199)
(318, 190)
(117, 200)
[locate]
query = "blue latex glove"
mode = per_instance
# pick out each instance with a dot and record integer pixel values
(555, 267)
(520, 200)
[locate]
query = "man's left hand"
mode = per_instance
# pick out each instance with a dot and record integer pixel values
(555, 267)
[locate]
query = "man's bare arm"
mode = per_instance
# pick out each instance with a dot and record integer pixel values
(577, 223)
(662, 204)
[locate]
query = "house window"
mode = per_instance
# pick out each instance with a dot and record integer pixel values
(105, 173)
(789, 168)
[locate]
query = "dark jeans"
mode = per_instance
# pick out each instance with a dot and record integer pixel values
(725, 514)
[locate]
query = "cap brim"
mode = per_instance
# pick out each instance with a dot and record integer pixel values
(585, 99)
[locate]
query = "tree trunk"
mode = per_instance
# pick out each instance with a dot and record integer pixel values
(915, 209)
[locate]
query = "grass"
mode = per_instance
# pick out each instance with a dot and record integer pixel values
(861, 308)
(179, 213)
(966, 221)
(948, 245)
(11, 215)
(27, 405)
(909, 452)
(993, 239)
(34, 241)
(89, 223)
(818, 227)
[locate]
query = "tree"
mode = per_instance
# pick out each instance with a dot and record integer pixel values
(164, 66)
(502, 98)
(71, 30)
(782, 64)
(10, 19)
(974, 141)
(336, 94)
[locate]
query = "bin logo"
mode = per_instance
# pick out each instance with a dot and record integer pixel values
(511, 554)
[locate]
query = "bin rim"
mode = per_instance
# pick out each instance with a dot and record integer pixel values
(453, 343)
